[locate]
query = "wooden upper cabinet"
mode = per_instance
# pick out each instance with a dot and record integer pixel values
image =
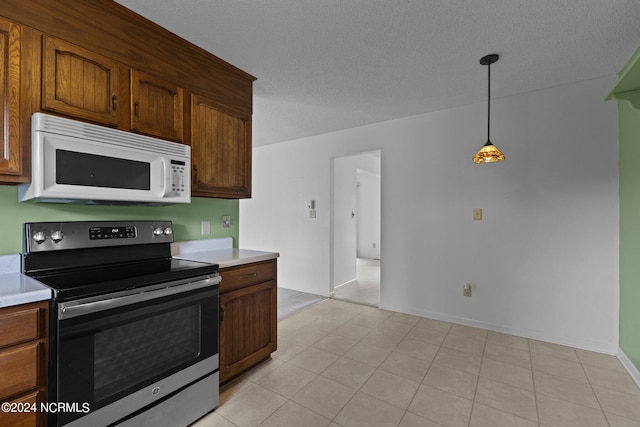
(11, 153)
(156, 106)
(220, 150)
(131, 75)
(79, 83)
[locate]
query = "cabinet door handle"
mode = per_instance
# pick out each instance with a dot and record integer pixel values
(195, 174)
(114, 103)
(221, 315)
(136, 110)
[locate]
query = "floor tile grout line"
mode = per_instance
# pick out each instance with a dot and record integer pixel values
(592, 389)
(533, 381)
(475, 391)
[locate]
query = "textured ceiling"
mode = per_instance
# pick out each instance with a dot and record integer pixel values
(326, 65)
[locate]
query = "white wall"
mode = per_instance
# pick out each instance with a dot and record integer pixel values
(543, 261)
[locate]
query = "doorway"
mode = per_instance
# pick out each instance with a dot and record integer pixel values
(355, 225)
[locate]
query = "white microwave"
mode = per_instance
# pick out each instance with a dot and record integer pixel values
(77, 162)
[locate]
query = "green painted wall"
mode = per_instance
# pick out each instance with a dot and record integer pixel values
(629, 164)
(186, 218)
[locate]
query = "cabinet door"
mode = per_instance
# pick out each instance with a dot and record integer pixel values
(11, 152)
(221, 150)
(247, 328)
(156, 106)
(79, 83)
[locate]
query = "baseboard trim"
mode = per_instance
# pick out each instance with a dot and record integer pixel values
(629, 366)
(345, 283)
(591, 346)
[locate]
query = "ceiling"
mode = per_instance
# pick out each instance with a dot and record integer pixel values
(326, 65)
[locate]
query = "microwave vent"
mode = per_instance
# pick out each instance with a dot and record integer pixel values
(60, 126)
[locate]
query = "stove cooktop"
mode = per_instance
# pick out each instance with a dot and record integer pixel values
(103, 279)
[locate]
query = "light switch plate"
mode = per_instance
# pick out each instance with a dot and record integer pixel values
(466, 290)
(226, 221)
(477, 214)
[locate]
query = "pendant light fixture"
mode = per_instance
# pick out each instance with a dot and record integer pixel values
(489, 153)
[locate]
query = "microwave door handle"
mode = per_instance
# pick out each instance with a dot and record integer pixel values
(166, 186)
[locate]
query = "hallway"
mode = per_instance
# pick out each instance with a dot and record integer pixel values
(366, 288)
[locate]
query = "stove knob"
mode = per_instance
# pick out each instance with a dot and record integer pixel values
(168, 231)
(57, 236)
(39, 237)
(158, 231)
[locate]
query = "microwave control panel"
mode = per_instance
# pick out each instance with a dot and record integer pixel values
(178, 177)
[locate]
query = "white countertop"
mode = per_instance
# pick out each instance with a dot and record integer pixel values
(219, 251)
(229, 257)
(16, 288)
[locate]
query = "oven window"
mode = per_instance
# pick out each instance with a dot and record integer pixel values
(129, 354)
(90, 170)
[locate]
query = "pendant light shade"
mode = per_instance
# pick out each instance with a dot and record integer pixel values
(489, 153)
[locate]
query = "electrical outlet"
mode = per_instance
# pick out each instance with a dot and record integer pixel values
(226, 221)
(477, 214)
(205, 227)
(312, 213)
(466, 290)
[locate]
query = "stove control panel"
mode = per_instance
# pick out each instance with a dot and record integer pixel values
(57, 236)
(159, 231)
(52, 236)
(126, 232)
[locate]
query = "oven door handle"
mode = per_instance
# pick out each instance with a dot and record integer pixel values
(68, 310)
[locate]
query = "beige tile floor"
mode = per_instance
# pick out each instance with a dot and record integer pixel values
(366, 288)
(343, 364)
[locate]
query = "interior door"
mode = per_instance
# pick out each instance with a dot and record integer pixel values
(344, 220)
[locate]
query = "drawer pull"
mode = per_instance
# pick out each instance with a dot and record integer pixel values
(251, 275)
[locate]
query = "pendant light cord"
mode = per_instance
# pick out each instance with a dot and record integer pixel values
(489, 103)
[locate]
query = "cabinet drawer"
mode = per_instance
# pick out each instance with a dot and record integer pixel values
(19, 324)
(19, 367)
(247, 275)
(23, 417)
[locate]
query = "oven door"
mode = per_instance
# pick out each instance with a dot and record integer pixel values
(116, 355)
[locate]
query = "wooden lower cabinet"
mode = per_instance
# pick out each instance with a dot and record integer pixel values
(248, 317)
(22, 417)
(23, 364)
